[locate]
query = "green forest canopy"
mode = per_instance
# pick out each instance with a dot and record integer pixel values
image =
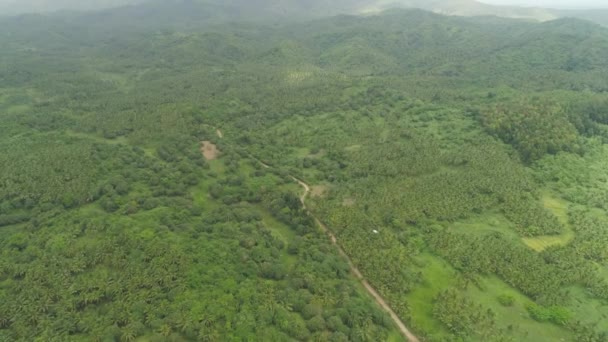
(473, 146)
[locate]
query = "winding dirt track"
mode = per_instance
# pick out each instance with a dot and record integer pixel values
(402, 328)
(377, 297)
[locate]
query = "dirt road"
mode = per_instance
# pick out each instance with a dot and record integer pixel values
(402, 328)
(377, 297)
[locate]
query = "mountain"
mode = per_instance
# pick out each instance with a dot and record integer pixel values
(12, 7)
(277, 10)
(599, 16)
(237, 8)
(476, 8)
(465, 8)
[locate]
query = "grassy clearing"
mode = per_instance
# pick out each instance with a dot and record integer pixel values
(438, 276)
(559, 208)
(280, 230)
(18, 109)
(395, 336)
(200, 193)
(541, 243)
(246, 168)
(119, 80)
(587, 309)
(319, 190)
(116, 141)
(294, 188)
(302, 152)
(487, 223)
(92, 208)
(201, 197)
(217, 166)
(514, 319)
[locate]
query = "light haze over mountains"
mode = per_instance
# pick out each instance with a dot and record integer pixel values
(542, 10)
(581, 4)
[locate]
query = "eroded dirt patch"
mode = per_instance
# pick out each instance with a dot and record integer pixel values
(209, 150)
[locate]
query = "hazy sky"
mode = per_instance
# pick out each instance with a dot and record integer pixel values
(552, 3)
(8, 6)
(538, 3)
(20, 6)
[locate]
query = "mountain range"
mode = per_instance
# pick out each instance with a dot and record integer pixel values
(255, 9)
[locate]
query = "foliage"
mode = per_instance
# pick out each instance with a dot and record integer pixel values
(533, 129)
(114, 227)
(463, 317)
(506, 300)
(555, 314)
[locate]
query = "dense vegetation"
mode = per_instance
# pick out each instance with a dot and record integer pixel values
(460, 162)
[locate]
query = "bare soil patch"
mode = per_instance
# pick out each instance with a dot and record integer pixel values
(209, 150)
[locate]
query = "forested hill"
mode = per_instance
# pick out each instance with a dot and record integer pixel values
(476, 8)
(461, 50)
(599, 16)
(472, 8)
(227, 9)
(281, 10)
(149, 158)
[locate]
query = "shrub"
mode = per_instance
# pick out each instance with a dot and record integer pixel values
(554, 314)
(506, 300)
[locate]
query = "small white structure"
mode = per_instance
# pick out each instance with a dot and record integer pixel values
(375, 231)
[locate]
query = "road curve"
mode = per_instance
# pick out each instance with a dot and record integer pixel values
(379, 299)
(370, 289)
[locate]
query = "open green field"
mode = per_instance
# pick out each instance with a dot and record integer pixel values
(515, 319)
(559, 208)
(437, 277)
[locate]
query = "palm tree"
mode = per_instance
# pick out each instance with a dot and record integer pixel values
(165, 330)
(127, 334)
